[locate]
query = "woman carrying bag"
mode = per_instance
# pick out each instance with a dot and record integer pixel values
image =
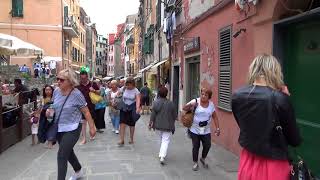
(257, 108)
(129, 109)
(162, 119)
(200, 130)
(68, 106)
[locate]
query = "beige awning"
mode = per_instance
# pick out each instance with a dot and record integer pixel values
(146, 68)
(159, 63)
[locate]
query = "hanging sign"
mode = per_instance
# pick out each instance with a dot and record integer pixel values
(192, 45)
(240, 4)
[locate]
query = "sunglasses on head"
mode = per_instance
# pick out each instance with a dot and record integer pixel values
(60, 79)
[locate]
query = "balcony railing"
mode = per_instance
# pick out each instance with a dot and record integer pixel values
(70, 26)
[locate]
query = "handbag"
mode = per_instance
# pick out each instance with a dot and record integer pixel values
(95, 98)
(135, 116)
(299, 169)
(53, 127)
(187, 118)
(34, 120)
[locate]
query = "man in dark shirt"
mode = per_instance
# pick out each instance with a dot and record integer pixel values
(86, 87)
(145, 98)
(19, 87)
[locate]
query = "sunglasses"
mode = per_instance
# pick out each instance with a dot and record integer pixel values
(60, 79)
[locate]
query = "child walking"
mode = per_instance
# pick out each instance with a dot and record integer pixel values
(34, 120)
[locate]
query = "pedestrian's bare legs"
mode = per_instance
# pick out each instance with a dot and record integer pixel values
(33, 139)
(132, 128)
(122, 133)
(148, 109)
(84, 132)
(50, 146)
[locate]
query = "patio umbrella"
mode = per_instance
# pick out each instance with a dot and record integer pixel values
(10, 45)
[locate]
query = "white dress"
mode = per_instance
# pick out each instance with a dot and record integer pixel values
(34, 128)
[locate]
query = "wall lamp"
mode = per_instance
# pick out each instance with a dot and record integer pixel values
(236, 34)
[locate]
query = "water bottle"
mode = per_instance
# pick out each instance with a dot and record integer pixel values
(51, 113)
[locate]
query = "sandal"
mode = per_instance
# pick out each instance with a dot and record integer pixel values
(120, 144)
(131, 142)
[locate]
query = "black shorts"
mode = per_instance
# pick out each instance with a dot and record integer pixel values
(126, 118)
(145, 101)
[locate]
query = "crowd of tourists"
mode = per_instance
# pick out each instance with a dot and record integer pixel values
(72, 106)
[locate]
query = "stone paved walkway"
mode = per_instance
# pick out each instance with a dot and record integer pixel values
(102, 159)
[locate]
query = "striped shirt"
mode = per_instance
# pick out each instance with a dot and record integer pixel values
(71, 113)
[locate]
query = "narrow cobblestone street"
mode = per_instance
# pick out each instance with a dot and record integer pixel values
(102, 159)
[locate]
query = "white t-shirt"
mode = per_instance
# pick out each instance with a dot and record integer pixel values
(129, 96)
(107, 90)
(113, 95)
(202, 114)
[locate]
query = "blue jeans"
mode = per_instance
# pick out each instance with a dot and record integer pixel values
(115, 119)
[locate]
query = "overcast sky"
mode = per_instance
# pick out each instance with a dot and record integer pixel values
(108, 13)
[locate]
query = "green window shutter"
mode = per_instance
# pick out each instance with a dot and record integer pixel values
(151, 46)
(145, 44)
(66, 13)
(17, 8)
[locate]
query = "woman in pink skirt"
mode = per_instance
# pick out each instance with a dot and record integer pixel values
(257, 107)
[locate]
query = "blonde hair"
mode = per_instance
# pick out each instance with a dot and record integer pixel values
(70, 75)
(114, 82)
(266, 66)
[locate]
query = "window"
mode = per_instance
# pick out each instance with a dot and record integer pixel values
(225, 89)
(17, 8)
(158, 14)
(178, 6)
(78, 55)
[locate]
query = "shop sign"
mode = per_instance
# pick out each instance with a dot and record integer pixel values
(192, 45)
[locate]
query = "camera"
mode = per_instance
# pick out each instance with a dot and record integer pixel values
(203, 123)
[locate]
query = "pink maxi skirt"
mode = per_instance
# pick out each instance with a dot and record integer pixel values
(254, 167)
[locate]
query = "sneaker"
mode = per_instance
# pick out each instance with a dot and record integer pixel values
(117, 131)
(77, 175)
(162, 160)
(205, 165)
(195, 167)
(113, 130)
(100, 131)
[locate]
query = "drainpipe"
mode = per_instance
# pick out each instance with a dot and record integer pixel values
(159, 49)
(62, 37)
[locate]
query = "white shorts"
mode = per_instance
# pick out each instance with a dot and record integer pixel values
(34, 129)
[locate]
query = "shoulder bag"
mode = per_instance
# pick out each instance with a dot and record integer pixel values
(95, 98)
(53, 127)
(187, 118)
(299, 169)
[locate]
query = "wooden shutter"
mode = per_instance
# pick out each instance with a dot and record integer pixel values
(17, 8)
(225, 75)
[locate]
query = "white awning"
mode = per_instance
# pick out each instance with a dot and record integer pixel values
(139, 75)
(159, 63)
(48, 59)
(11, 45)
(107, 78)
(77, 72)
(146, 68)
